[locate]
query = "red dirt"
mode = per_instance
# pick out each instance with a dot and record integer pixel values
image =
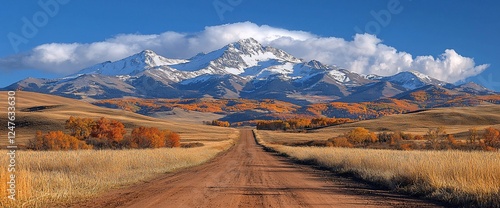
(247, 176)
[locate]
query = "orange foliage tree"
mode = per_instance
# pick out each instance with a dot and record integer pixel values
(219, 123)
(340, 142)
(56, 140)
(360, 135)
(491, 137)
(144, 137)
(81, 128)
(110, 130)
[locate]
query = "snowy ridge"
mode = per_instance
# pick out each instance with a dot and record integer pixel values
(412, 80)
(131, 65)
(241, 69)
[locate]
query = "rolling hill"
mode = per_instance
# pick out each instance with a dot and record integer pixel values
(36, 111)
(456, 120)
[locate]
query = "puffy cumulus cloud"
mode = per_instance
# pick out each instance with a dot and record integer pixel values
(449, 66)
(367, 55)
(364, 54)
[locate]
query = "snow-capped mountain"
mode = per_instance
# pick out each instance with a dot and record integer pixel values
(412, 80)
(137, 63)
(240, 69)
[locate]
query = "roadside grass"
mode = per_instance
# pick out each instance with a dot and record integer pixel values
(57, 178)
(463, 179)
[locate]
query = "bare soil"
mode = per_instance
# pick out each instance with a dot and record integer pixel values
(248, 176)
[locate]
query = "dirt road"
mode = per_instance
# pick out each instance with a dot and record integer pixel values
(247, 176)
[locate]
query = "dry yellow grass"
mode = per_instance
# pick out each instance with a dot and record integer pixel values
(456, 177)
(48, 179)
(455, 120)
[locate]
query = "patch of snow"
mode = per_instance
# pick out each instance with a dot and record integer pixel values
(372, 76)
(123, 77)
(339, 76)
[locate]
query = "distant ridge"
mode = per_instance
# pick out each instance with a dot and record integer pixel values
(243, 69)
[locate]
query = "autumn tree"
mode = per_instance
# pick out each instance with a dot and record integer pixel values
(220, 123)
(360, 135)
(81, 128)
(340, 142)
(111, 130)
(434, 137)
(56, 140)
(273, 125)
(396, 138)
(491, 137)
(172, 139)
(419, 137)
(144, 137)
(473, 136)
(451, 142)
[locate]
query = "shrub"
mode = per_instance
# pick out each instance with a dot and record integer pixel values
(384, 137)
(219, 123)
(56, 140)
(473, 136)
(341, 142)
(491, 137)
(144, 137)
(434, 137)
(192, 145)
(405, 147)
(419, 137)
(360, 135)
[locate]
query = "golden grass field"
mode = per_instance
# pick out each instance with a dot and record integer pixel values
(457, 121)
(48, 179)
(60, 109)
(456, 177)
(57, 178)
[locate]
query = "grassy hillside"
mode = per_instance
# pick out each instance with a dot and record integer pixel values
(56, 178)
(245, 110)
(35, 111)
(456, 121)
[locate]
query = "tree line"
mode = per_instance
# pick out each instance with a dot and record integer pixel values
(434, 139)
(300, 123)
(103, 133)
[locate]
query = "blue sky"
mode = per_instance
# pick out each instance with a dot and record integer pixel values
(418, 29)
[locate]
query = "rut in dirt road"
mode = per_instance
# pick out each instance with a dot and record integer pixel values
(247, 176)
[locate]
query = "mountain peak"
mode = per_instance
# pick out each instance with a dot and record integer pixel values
(413, 79)
(147, 52)
(474, 88)
(249, 41)
(316, 64)
(420, 75)
(247, 46)
(131, 65)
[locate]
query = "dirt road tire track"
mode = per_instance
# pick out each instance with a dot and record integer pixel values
(247, 176)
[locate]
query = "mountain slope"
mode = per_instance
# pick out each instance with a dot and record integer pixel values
(243, 69)
(131, 65)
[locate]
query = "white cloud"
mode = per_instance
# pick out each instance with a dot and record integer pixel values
(364, 54)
